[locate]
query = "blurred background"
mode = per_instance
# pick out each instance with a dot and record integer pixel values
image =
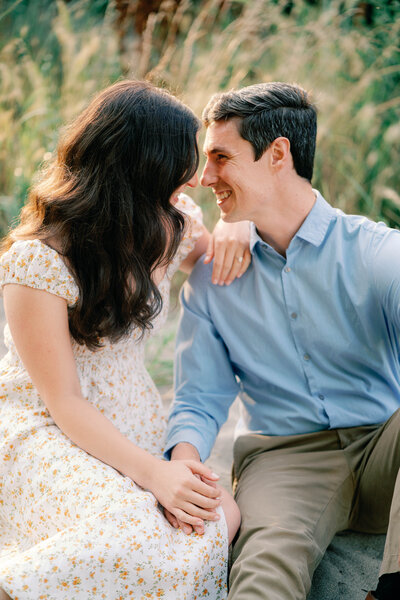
(55, 54)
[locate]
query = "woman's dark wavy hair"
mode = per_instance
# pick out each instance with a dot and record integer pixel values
(105, 198)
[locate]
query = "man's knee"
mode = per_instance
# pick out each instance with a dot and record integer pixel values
(275, 562)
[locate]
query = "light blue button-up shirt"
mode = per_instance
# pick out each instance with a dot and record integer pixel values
(308, 342)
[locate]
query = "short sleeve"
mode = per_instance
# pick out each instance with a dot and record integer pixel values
(194, 230)
(34, 264)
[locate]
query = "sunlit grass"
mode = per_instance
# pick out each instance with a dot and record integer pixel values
(54, 56)
(353, 71)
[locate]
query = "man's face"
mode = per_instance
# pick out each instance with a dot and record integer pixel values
(239, 183)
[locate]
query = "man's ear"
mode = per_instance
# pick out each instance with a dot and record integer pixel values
(279, 152)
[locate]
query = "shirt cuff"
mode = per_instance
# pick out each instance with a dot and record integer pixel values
(191, 436)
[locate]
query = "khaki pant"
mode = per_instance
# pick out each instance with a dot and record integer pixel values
(296, 492)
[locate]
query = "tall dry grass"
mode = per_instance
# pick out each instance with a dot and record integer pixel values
(49, 68)
(352, 70)
(55, 55)
(52, 62)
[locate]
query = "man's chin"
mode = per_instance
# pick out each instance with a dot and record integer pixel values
(229, 218)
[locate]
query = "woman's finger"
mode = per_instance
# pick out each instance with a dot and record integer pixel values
(230, 262)
(196, 514)
(202, 501)
(187, 519)
(235, 269)
(210, 251)
(209, 481)
(219, 258)
(244, 265)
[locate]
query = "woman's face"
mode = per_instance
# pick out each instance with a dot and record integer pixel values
(191, 183)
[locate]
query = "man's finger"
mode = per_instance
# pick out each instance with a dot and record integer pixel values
(186, 528)
(172, 520)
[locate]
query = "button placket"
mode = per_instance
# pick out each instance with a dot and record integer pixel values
(295, 323)
(293, 314)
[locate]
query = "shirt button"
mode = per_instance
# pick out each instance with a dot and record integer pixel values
(306, 357)
(321, 397)
(294, 315)
(287, 269)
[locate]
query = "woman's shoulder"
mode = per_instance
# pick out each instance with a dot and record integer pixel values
(188, 206)
(193, 231)
(34, 264)
(193, 212)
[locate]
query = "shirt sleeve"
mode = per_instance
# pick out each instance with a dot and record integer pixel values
(385, 261)
(34, 264)
(193, 231)
(205, 384)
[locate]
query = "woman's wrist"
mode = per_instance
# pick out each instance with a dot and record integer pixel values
(143, 469)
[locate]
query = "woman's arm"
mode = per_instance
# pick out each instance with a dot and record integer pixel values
(38, 322)
(228, 245)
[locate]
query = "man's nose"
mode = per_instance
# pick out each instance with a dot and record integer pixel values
(208, 176)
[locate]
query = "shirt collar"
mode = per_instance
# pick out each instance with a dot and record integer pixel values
(316, 225)
(313, 229)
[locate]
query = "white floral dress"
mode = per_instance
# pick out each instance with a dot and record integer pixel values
(72, 527)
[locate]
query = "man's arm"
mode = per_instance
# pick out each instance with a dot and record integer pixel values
(205, 384)
(183, 451)
(385, 271)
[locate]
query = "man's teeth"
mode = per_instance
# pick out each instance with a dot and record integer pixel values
(222, 196)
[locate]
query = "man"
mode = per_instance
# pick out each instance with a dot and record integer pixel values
(308, 338)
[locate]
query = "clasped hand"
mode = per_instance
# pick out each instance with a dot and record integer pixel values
(186, 490)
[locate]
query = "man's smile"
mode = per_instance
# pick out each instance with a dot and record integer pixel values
(222, 196)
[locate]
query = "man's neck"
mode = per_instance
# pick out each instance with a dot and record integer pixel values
(279, 224)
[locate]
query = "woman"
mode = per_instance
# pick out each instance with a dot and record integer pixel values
(85, 279)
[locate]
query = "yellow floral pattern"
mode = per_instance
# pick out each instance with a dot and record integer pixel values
(71, 526)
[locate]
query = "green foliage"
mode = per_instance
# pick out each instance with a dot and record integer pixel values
(160, 353)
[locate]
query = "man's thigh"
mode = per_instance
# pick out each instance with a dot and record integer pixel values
(294, 493)
(376, 471)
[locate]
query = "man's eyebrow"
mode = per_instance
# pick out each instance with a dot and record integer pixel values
(215, 150)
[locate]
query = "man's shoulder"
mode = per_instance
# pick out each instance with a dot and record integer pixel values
(200, 290)
(198, 283)
(359, 225)
(201, 273)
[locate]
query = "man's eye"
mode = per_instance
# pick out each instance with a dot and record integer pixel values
(221, 156)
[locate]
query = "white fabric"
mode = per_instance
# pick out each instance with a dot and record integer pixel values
(71, 526)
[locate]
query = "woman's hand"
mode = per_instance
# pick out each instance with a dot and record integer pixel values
(229, 246)
(180, 489)
(177, 523)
